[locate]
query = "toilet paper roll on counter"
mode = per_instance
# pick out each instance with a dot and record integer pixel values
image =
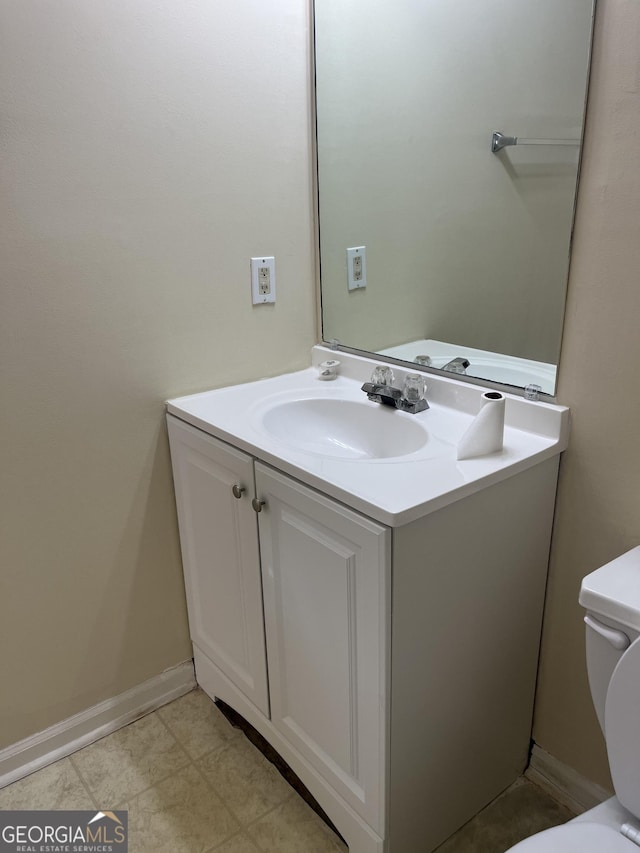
(486, 432)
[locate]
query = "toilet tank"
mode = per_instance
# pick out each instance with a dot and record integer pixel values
(611, 596)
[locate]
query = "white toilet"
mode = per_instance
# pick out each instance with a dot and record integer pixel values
(611, 596)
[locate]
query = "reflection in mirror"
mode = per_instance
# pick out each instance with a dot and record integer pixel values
(431, 243)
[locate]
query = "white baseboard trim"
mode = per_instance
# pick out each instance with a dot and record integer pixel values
(564, 783)
(37, 751)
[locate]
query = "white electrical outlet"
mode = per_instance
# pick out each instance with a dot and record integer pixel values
(357, 267)
(263, 280)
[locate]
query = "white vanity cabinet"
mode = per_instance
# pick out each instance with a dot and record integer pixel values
(323, 576)
(214, 484)
(388, 655)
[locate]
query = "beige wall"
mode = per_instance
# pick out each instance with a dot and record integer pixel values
(148, 150)
(598, 512)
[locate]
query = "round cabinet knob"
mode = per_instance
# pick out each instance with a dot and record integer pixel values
(257, 504)
(237, 491)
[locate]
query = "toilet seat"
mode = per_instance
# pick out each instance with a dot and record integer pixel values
(581, 837)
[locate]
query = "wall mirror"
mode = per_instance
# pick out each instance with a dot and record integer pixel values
(448, 142)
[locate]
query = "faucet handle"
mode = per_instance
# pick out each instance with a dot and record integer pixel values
(414, 394)
(382, 375)
(415, 387)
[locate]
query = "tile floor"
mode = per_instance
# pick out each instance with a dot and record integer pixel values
(522, 810)
(192, 783)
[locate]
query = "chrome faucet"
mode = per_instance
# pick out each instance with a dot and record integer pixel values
(457, 365)
(381, 390)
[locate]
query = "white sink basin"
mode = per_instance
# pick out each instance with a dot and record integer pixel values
(344, 428)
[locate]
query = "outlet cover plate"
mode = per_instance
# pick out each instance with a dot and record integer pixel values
(356, 267)
(263, 280)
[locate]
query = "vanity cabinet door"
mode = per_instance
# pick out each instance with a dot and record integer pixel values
(325, 576)
(220, 555)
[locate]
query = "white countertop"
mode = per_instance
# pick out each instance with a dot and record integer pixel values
(396, 490)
